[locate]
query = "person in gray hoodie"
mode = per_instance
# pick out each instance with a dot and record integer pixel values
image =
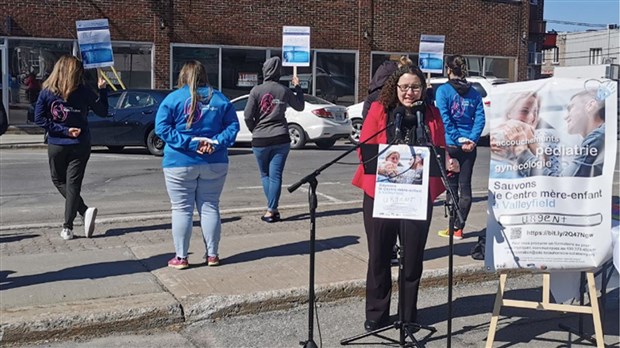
(265, 117)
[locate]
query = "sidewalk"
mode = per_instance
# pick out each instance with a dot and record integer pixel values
(119, 280)
(22, 136)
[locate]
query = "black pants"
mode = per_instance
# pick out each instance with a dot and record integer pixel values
(67, 167)
(461, 182)
(381, 235)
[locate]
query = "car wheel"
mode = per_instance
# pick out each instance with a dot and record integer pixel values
(356, 130)
(116, 148)
(154, 144)
(298, 136)
(325, 144)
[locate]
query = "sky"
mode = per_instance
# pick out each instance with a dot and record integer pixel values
(581, 11)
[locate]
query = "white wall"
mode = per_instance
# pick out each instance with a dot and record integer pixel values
(575, 48)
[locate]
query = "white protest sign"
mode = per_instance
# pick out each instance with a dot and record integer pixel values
(551, 174)
(401, 190)
(295, 46)
(95, 43)
(431, 53)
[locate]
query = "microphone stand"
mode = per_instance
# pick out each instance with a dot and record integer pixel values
(312, 200)
(451, 205)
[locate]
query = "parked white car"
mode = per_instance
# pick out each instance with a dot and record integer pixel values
(355, 114)
(320, 122)
(483, 85)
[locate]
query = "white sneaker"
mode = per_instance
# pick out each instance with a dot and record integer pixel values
(66, 234)
(89, 221)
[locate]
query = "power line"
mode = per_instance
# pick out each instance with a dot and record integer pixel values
(581, 24)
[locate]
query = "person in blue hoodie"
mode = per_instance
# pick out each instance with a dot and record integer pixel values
(198, 124)
(462, 111)
(61, 109)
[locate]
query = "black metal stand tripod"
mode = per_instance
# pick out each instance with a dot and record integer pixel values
(406, 329)
(312, 200)
(452, 208)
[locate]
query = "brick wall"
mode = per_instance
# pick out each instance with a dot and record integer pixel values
(472, 27)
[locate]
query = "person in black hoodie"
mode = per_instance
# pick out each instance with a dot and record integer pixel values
(61, 110)
(384, 71)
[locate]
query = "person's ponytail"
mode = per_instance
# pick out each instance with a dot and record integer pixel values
(458, 65)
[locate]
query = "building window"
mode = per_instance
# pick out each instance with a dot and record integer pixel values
(596, 56)
(242, 69)
(335, 76)
(475, 66)
(500, 67)
(132, 62)
(26, 57)
(208, 56)
(378, 58)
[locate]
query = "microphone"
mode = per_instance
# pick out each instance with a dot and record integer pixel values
(419, 108)
(399, 113)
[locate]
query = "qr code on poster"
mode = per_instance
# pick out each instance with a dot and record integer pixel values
(515, 233)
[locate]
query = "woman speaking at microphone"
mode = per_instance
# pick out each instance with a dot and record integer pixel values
(404, 88)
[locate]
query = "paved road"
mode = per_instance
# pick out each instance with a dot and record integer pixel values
(132, 183)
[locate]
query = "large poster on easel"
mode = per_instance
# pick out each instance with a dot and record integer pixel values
(550, 183)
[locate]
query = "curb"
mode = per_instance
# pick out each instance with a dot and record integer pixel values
(86, 319)
(23, 146)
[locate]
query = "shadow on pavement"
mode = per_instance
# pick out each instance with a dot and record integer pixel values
(336, 212)
(91, 271)
(297, 248)
(16, 237)
(530, 326)
(120, 231)
(461, 247)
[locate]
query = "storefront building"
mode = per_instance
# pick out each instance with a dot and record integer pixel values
(349, 39)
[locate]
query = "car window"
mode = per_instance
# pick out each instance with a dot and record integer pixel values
(137, 100)
(240, 104)
(113, 100)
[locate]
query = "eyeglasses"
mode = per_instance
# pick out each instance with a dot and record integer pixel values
(405, 88)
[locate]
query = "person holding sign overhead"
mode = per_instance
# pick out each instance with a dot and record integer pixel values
(265, 117)
(403, 89)
(198, 124)
(61, 109)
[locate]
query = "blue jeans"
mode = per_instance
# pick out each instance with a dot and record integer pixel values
(271, 160)
(200, 185)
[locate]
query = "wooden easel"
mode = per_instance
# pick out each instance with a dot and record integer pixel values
(545, 305)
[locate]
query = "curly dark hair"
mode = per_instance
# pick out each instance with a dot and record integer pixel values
(389, 97)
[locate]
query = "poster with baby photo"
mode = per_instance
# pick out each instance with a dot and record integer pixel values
(553, 151)
(401, 190)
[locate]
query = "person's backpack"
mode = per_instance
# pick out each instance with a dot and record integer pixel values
(4, 120)
(477, 252)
